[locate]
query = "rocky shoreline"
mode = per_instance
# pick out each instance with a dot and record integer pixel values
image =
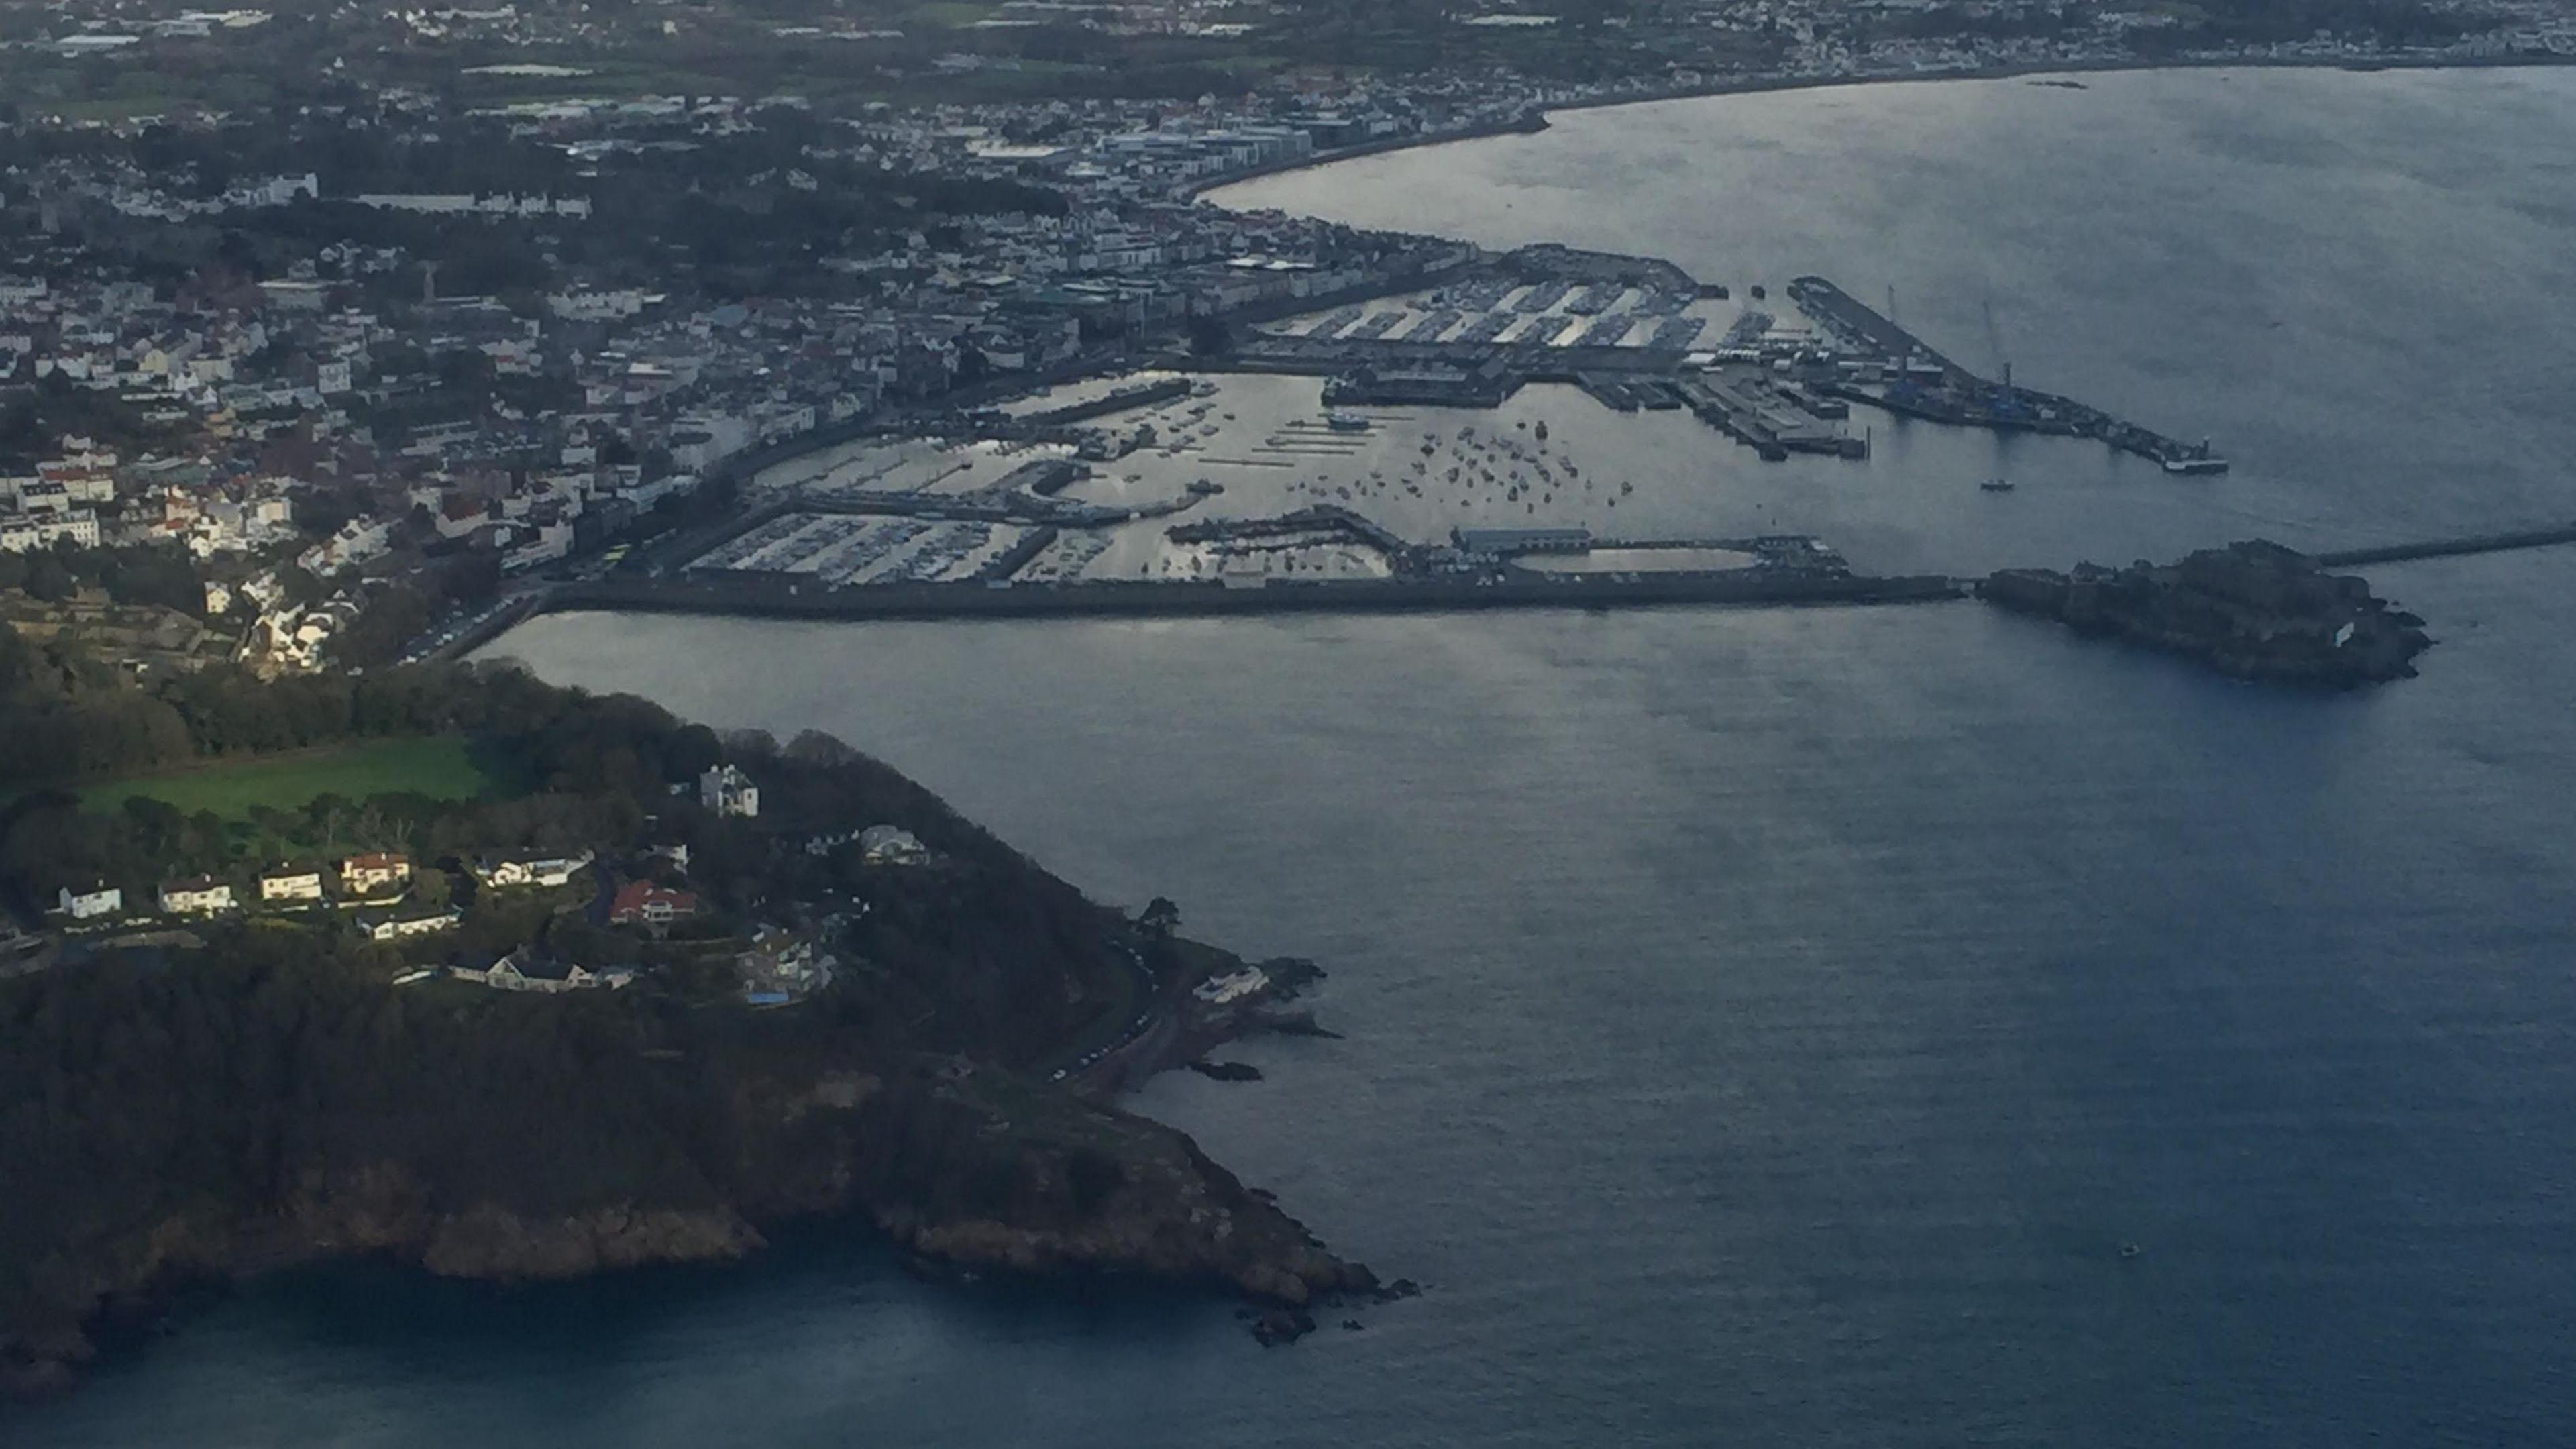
(962, 1163)
(2253, 610)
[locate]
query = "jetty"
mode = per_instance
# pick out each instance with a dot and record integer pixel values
(1917, 380)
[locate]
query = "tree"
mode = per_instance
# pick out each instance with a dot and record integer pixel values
(814, 747)
(1210, 337)
(1160, 918)
(691, 752)
(48, 580)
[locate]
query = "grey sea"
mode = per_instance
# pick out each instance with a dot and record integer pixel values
(1764, 1027)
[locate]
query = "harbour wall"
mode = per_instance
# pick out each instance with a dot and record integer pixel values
(983, 600)
(2449, 547)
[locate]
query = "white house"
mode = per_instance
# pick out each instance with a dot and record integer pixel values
(542, 871)
(202, 896)
(891, 845)
(525, 970)
(401, 925)
(728, 791)
(1234, 986)
(88, 905)
(290, 883)
(365, 875)
(21, 533)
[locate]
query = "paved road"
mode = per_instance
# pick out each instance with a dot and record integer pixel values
(1148, 989)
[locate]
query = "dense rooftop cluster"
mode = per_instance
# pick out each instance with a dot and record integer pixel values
(456, 302)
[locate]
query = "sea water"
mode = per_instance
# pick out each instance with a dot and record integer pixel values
(1833, 1027)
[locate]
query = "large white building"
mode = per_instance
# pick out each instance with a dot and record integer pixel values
(26, 532)
(728, 791)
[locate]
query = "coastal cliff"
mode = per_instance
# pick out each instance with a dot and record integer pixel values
(2252, 610)
(681, 1145)
(861, 1007)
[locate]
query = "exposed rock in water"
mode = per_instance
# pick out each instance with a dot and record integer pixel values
(2251, 610)
(1282, 1325)
(981, 1171)
(1226, 1071)
(1290, 975)
(1292, 1023)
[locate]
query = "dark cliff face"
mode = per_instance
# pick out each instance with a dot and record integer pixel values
(261, 1094)
(230, 1119)
(2251, 610)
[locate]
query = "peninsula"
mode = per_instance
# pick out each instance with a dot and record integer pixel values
(579, 987)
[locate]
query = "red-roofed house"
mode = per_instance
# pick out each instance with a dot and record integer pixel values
(640, 902)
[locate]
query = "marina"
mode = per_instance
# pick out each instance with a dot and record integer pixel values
(1418, 431)
(1782, 379)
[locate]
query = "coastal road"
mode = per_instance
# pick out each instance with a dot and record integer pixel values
(1145, 986)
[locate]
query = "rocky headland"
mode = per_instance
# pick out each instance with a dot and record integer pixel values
(2252, 610)
(263, 1094)
(691, 1144)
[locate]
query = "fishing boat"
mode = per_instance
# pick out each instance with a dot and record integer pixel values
(1997, 485)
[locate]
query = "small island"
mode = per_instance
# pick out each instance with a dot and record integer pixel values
(2251, 610)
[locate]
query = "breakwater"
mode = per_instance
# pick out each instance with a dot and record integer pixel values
(2449, 547)
(768, 597)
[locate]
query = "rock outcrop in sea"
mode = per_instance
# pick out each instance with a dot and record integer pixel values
(2251, 610)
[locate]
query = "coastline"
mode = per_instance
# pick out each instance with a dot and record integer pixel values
(1119, 599)
(1543, 113)
(746, 467)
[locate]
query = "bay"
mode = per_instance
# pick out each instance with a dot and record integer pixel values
(1764, 1026)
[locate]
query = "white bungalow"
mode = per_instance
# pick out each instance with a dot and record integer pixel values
(290, 883)
(202, 896)
(100, 899)
(402, 925)
(891, 845)
(541, 871)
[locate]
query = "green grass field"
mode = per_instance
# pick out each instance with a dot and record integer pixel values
(439, 766)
